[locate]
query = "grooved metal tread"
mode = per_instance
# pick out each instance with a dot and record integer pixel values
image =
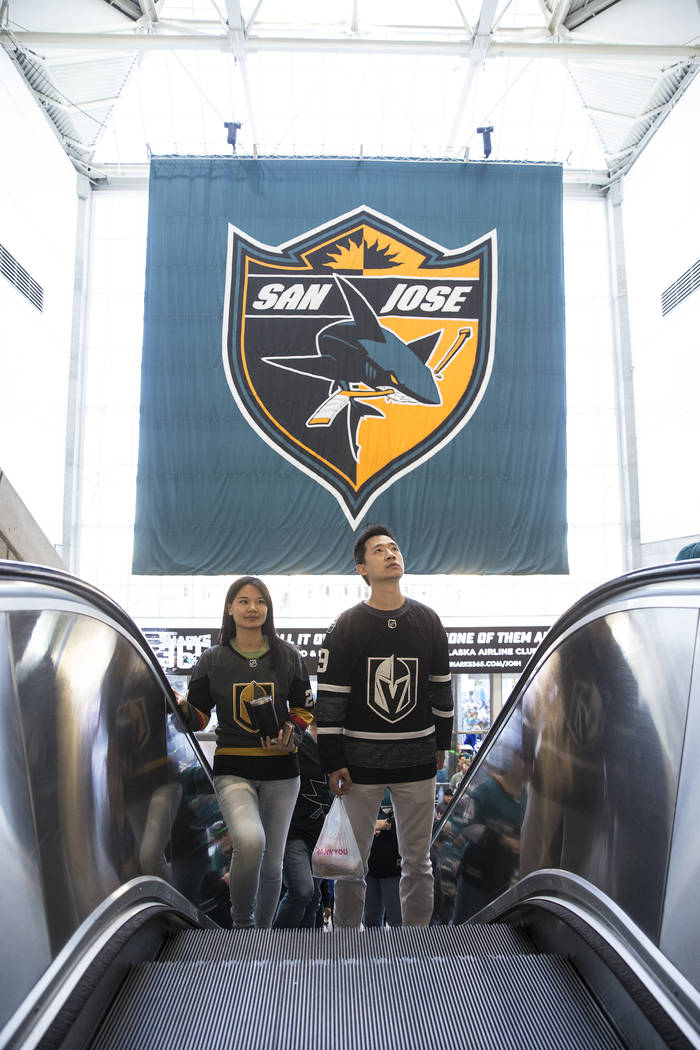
(218, 945)
(519, 1002)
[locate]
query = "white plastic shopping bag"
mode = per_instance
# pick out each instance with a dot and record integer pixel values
(336, 854)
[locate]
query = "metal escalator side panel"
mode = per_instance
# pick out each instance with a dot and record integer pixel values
(116, 790)
(105, 784)
(603, 725)
(68, 1000)
(680, 926)
(25, 951)
(582, 773)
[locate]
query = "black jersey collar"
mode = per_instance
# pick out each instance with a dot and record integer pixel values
(389, 614)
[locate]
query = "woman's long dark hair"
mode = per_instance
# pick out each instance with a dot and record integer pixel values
(228, 626)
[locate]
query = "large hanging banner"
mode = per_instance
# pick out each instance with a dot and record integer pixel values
(328, 343)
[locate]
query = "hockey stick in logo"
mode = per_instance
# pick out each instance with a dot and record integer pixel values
(334, 405)
(462, 335)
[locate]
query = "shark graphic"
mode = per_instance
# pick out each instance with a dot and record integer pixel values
(363, 361)
(317, 795)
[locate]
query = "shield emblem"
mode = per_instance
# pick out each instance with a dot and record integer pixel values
(359, 349)
(392, 686)
(243, 693)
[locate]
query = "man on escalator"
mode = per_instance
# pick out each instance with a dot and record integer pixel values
(384, 712)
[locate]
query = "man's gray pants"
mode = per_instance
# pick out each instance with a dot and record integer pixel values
(414, 814)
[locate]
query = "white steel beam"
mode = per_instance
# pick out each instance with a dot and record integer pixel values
(148, 9)
(477, 57)
(627, 118)
(485, 24)
(501, 15)
(558, 16)
(472, 73)
(237, 40)
(498, 46)
(464, 18)
(222, 20)
(656, 124)
(74, 107)
(251, 20)
(235, 16)
(355, 20)
(588, 12)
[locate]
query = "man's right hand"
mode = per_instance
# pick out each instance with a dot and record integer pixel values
(340, 782)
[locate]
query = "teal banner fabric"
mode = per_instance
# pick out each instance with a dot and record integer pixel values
(333, 342)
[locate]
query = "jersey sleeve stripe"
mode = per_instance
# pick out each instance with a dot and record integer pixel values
(443, 714)
(329, 730)
(325, 687)
(439, 677)
(300, 716)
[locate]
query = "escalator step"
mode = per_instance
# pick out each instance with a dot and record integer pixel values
(216, 945)
(495, 1003)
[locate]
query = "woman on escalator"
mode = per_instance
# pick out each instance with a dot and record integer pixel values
(261, 692)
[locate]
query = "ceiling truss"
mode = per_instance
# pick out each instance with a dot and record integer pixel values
(42, 55)
(165, 37)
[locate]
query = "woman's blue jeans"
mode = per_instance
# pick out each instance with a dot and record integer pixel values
(300, 903)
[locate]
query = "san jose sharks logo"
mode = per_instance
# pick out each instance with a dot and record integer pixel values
(359, 349)
(316, 794)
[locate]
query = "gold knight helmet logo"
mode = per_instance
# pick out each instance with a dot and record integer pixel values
(359, 349)
(243, 694)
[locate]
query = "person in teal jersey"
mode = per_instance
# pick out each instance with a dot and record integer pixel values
(492, 831)
(691, 550)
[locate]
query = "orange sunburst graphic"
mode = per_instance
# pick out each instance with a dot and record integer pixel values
(360, 348)
(356, 252)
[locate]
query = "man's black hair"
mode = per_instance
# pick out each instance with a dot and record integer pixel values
(367, 533)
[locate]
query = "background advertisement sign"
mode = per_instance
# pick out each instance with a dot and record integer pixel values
(473, 650)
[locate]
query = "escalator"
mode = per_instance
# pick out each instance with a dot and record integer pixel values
(412, 988)
(570, 924)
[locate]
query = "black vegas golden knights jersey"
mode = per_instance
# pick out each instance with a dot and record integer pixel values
(384, 704)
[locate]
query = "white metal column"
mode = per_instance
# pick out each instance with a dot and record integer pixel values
(624, 382)
(75, 423)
